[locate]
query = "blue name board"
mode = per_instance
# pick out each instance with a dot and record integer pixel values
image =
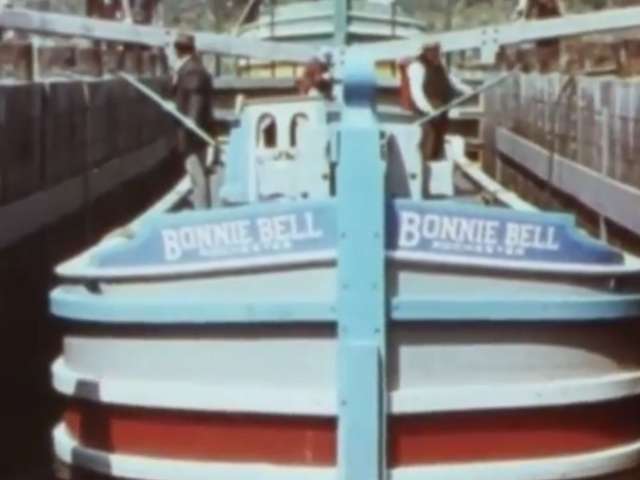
(249, 234)
(450, 230)
(417, 231)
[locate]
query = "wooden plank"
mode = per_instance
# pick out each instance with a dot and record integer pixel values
(635, 130)
(23, 161)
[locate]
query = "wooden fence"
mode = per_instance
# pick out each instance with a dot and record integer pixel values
(576, 135)
(71, 131)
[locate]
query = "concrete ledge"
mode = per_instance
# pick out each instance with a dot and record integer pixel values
(610, 198)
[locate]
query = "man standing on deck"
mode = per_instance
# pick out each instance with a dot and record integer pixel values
(193, 89)
(427, 86)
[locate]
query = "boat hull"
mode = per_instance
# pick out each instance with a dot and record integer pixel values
(217, 401)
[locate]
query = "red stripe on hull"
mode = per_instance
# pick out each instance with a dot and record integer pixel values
(514, 434)
(414, 440)
(194, 436)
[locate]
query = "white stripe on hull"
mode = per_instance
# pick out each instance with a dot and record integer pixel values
(264, 400)
(433, 368)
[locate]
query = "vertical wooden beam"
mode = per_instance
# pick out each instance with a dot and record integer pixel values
(604, 166)
(35, 58)
(4, 153)
(581, 112)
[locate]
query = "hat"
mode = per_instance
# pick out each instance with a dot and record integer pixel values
(430, 46)
(185, 40)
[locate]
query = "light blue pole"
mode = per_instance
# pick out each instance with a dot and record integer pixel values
(361, 294)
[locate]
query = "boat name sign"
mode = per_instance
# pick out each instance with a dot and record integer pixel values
(448, 230)
(452, 233)
(416, 231)
(260, 235)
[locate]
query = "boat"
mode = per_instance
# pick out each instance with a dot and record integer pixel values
(346, 311)
(325, 308)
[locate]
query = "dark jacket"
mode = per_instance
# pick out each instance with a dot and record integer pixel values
(437, 86)
(194, 98)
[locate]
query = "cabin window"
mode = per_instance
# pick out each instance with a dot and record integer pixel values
(297, 122)
(267, 132)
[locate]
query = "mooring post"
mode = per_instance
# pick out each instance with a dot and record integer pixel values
(361, 296)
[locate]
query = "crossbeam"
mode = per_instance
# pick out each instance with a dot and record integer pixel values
(46, 23)
(247, 47)
(492, 37)
(487, 39)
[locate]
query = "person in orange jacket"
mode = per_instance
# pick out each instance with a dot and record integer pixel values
(316, 76)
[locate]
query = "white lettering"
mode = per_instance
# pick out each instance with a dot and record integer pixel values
(470, 231)
(204, 236)
(312, 231)
(244, 236)
(452, 233)
(552, 243)
(281, 226)
(221, 234)
(523, 236)
(491, 232)
(409, 230)
(187, 238)
(449, 229)
(265, 230)
(227, 238)
(172, 250)
(431, 227)
(512, 236)
(527, 234)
